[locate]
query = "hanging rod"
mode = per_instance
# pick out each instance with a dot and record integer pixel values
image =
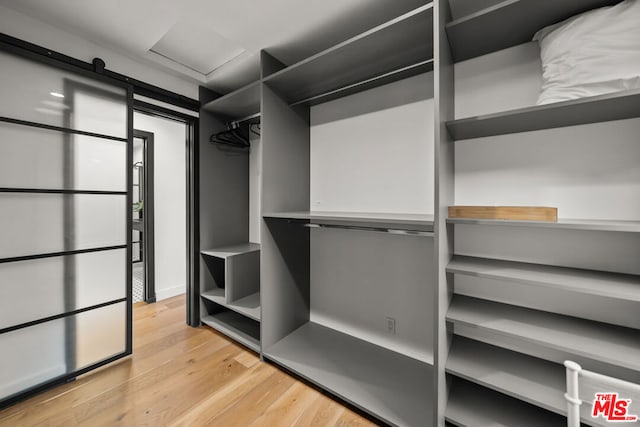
(374, 229)
(422, 67)
(245, 119)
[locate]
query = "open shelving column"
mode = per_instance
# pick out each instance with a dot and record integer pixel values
(229, 264)
(387, 384)
(504, 353)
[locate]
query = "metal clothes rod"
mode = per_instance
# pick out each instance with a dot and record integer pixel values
(374, 229)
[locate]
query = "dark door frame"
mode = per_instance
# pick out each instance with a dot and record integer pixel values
(148, 233)
(192, 123)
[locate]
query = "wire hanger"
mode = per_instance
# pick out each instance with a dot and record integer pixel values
(238, 134)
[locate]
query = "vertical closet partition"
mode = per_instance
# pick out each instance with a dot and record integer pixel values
(65, 246)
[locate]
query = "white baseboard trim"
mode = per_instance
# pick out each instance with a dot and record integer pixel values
(170, 292)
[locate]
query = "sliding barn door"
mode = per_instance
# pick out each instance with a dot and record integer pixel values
(65, 239)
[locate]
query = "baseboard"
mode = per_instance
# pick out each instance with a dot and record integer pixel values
(170, 292)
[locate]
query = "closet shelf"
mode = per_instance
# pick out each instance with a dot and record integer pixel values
(510, 23)
(237, 327)
(615, 345)
(573, 224)
(470, 405)
(402, 222)
(215, 295)
(232, 250)
(593, 109)
(394, 49)
(381, 382)
(609, 285)
(535, 381)
(237, 105)
(248, 306)
(527, 378)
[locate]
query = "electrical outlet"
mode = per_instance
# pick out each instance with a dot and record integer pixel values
(391, 325)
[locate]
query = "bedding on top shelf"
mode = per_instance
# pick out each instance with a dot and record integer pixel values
(594, 53)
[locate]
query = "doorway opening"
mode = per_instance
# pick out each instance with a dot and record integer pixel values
(166, 205)
(143, 248)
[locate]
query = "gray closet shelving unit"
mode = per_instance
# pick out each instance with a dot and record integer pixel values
(497, 358)
(500, 352)
(388, 384)
(229, 263)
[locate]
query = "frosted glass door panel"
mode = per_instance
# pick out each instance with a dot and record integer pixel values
(100, 334)
(31, 366)
(95, 278)
(36, 223)
(45, 159)
(42, 94)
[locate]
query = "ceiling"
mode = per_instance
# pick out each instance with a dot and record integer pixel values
(214, 42)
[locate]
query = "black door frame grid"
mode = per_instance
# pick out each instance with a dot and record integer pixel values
(67, 130)
(148, 233)
(96, 70)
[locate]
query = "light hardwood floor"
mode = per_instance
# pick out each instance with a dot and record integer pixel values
(181, 376)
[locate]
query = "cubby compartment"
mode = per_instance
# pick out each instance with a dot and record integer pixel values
(230, 214)
(239, 327)
(235, 277)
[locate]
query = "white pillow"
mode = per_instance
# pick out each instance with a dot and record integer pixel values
(590, 54)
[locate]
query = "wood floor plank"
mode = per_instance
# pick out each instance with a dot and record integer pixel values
(323, 412)
(181, 376)
(288, 408)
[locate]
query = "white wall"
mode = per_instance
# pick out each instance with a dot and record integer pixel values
(373, 151)
(34, 31)
(588, 171)
(170, 203)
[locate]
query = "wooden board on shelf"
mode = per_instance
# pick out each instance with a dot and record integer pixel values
(518, 213)
(389, 385)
